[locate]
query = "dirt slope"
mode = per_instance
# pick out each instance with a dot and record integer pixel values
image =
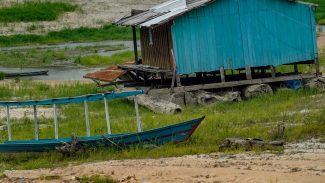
(92, 13)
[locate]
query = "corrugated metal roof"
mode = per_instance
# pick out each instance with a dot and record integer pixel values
(162, 13)
(167, 11)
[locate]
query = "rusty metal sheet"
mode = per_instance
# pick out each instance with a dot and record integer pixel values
(109, 74)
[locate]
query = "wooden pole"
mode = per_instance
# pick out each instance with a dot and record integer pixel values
(317, 67)
(222, 74)
(35, 123)
(107, 117)
(8, 124)
(249, 73)
(56, 126)
(273, 71)
(295, 66)
(139, 123)
(135, 45)
(87, 118)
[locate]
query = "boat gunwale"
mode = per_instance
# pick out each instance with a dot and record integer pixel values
(73, 100)
(103, 137)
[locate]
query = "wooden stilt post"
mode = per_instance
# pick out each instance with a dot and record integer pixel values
(8, 124)
(295, 66)
(222, 74)
(87, 118)
(178, 80)
(35, 123)
(317, 67)
(135, 46)
(107, 117)
(162, 79)
(273, 71)
(139, 123)
(56, 126)
(249, 73)
(263, 71)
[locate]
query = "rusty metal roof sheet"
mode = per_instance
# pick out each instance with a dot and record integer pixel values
(168, 11)
(109, 74)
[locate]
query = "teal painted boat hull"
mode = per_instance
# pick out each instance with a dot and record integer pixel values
(174, 133)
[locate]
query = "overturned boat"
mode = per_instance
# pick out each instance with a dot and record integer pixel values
(173, 133)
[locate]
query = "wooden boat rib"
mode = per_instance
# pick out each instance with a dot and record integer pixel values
(173, 133)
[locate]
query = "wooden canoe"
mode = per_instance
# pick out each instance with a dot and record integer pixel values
(26, 74)
(173, 134)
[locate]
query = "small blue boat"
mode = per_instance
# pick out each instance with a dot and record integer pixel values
(169, 134)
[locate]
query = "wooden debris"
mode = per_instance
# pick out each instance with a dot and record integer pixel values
(71, 148)
(249, 144)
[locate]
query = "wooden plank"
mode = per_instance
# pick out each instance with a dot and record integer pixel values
(145, 68)
(234, 83)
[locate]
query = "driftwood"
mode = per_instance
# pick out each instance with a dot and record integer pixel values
(249, 144)
(158, 105)
(71, 148)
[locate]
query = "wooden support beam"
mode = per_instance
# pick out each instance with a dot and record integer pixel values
(162, 79)
(178, 80)
(222, 74)
(233, 83)
(35, 123)
(135, 45)
(317, 67)
(56, 126)
(108, 123)
(248, 73)
(136, 106)
(87, 118)
(8, 124)
(263, 70)
(273, 71)
(295, 67)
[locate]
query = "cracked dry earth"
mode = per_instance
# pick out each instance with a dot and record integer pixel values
(301, 162)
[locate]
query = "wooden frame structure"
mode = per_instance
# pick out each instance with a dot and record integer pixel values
(73, 100)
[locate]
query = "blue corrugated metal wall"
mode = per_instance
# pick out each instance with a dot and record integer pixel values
(239, 33)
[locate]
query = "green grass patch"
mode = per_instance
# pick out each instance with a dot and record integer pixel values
(117, 58)
(34, 11)
(107, 32)
(37, 57)
(255, 118)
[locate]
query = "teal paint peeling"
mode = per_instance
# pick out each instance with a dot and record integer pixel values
(238, 33)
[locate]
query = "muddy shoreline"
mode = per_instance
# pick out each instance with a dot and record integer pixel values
(297, 164)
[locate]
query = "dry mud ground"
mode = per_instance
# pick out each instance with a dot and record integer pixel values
(91, 13)
(302, 162)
